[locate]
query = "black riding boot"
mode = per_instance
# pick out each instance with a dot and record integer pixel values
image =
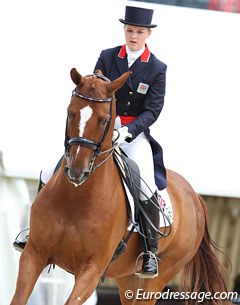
(19, 244)
(150, 264)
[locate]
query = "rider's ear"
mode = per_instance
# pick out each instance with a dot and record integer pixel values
(118, 83)
(75, 76)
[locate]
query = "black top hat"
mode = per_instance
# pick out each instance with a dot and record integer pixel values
(138, 16)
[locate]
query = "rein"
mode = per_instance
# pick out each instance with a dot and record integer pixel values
(82, 141)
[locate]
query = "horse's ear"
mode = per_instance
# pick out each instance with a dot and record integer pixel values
(75, 76)
(118, 83)
(98, 72)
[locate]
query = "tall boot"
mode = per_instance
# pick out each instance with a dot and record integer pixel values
(150, 259)
(19, 244)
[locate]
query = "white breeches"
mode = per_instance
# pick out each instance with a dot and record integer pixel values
(139, 150)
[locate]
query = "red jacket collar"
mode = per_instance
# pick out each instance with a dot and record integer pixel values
(144, 57)
(123, 52)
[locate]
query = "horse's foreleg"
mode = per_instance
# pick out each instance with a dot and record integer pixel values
(85, 283)
(30, 266)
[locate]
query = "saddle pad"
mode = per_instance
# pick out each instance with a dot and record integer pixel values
(166, 212)
(166, 216)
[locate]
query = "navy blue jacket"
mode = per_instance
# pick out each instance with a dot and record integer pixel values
(142, 96)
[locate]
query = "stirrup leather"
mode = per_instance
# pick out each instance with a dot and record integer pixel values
(146, 275)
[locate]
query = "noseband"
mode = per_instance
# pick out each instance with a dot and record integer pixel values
(95, 147)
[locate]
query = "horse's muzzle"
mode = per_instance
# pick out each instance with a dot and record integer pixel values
(76, 178)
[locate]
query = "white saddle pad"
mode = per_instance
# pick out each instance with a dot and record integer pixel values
(166, 216)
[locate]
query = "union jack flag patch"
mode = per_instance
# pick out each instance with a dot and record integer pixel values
(142, 88)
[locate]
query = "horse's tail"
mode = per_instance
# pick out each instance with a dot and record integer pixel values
(204, 273)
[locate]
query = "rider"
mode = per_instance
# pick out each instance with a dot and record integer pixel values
(139, 103)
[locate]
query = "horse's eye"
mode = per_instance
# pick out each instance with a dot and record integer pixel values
(104, 121)
(70, 115)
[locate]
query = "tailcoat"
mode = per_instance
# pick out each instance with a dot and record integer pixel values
(140, 100)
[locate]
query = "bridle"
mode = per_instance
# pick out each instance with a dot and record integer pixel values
(85, 142)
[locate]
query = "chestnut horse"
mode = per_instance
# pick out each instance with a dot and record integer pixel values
(80, 216)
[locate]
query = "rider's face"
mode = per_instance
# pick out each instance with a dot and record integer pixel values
(136, 36)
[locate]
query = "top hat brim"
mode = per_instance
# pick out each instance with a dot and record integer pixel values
(138, 24)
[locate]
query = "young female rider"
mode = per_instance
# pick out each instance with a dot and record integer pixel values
(139, 103)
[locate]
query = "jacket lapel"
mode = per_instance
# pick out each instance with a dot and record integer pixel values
(136, 67)
(141, 62)
(122, 64)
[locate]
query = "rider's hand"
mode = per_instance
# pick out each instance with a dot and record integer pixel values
(121, 135)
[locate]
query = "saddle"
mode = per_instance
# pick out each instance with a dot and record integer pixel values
(130, 174)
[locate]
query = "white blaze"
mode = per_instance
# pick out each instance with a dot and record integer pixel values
(85, 115)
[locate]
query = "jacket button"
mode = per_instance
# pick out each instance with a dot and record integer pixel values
(125, 113)
(128, 104)
(130, 92)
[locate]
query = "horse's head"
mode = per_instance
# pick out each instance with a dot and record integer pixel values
(90, 122)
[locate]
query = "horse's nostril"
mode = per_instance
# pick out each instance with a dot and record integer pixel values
(66, 170)
(86, 174)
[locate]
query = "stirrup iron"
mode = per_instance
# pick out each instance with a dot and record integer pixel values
(17, 243)
(146, 275)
